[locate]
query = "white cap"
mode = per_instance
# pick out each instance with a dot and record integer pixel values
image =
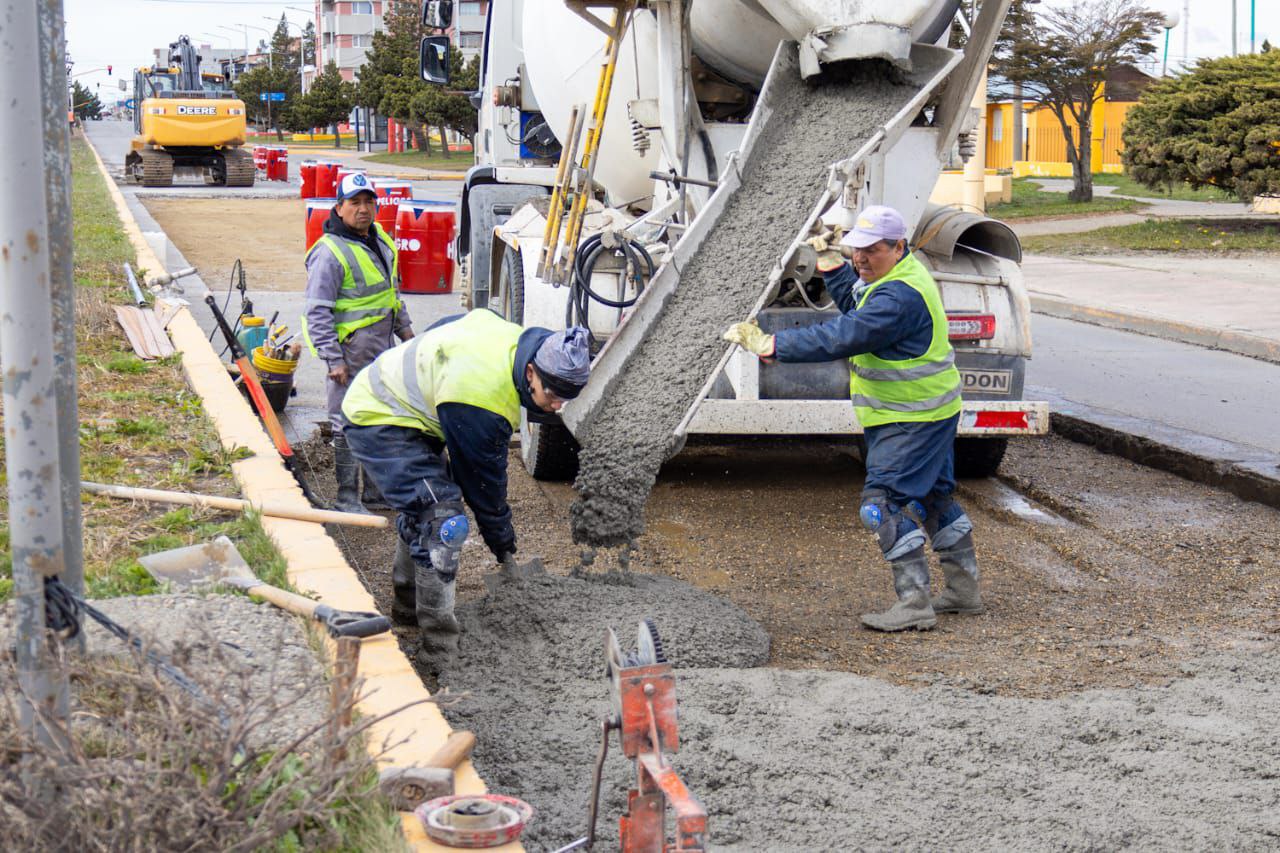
(353, 185)
(874, 224)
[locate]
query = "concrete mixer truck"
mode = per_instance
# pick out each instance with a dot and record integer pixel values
(614, 137)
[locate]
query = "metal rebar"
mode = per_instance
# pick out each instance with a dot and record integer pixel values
(57, 172)
(27, 358)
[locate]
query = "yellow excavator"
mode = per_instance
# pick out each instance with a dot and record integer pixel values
(186, 122)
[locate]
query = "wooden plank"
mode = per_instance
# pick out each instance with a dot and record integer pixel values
(127, 317)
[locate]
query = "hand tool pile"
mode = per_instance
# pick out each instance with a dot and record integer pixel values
(280, 344)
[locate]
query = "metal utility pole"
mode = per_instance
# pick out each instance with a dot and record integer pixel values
(1186, 31)
(1235, 29)
(31, 416)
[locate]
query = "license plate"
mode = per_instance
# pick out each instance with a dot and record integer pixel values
(986, 381)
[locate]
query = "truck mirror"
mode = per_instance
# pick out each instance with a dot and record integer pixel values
(433, 59)
(437, 14)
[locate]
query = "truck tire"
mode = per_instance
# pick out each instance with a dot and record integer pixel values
(979, 457)
(549, 451)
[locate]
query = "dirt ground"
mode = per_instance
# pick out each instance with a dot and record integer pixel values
(1143, 570)
(1128, 649)
(272, 249)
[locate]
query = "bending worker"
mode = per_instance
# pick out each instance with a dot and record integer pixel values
(906, 393)
(456, 388)
(353, 314)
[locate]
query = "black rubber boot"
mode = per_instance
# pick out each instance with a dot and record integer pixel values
(404, 610)
(347, 472)
(912, 610)
(369, 494)
(438, 627)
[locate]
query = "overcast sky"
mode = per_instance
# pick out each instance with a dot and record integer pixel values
(123, 33)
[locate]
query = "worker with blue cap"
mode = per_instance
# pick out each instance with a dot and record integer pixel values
(431, 421)
(353, 314)
(892, 328)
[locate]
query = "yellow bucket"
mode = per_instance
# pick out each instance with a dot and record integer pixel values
(278, 366)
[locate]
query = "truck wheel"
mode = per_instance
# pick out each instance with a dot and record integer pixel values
(979, 457)
(549, 451)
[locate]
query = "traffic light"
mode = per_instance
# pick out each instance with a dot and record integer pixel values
(108, 70)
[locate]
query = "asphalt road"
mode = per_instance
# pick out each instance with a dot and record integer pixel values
(1209, 392)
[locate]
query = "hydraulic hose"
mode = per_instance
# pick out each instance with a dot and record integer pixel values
(637, 260)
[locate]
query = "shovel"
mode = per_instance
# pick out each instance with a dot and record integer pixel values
(218, 562)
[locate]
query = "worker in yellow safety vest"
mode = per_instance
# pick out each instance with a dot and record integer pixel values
(906, 394)
(431, 421)
(353, 314)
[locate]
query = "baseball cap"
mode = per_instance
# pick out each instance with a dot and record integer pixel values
(874, 224)
(353, 185)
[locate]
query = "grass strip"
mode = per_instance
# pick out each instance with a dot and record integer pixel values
(1029, 200)
(140, 425)
(1215, 236)
(458, 161)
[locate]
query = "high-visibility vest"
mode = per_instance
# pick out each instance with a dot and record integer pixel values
(926, 388)
(367, 294)
(467, 361)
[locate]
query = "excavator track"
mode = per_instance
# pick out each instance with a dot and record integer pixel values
(154, 169)
(239, 167)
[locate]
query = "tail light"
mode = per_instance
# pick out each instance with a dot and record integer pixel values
(1000, 420)
(971, 327)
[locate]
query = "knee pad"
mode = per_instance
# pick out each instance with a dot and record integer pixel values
(896, 533)
(442, 530)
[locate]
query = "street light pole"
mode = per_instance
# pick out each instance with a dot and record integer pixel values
(31, 416)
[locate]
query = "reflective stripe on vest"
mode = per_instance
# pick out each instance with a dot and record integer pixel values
(467, 361)
(925, 388)
(366, 294)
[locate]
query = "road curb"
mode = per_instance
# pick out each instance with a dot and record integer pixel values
(315, 563)
(1247, 472)
(1240, 343)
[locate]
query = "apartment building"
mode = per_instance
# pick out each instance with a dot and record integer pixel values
(344, 32)
(468, 26)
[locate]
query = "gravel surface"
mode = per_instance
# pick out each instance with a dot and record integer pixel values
(1119, 692)
(625, 444)
(217, 638)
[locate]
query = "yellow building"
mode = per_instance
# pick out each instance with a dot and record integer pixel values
(1044, 147)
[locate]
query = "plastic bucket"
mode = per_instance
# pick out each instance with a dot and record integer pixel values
(390, 193)
(424, 240)
(276, 376)
(317, 212)
(307, 172)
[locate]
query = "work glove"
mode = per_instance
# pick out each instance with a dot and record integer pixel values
(827, 245)
(751, 338)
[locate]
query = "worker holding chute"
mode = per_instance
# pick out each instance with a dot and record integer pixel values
(906, 393)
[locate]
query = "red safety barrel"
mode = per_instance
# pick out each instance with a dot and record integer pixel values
(317, 212)
(326, 179)
(279, 164)
(390, 193)
(273, 154)
(424, 240)
(307, 173)
(260, 157)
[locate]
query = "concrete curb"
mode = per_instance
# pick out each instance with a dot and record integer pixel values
(1240, 343)
(316, 566)
(1247, 472)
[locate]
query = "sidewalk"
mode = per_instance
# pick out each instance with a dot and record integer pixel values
(1222, 303)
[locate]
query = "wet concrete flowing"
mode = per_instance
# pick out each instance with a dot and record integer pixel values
(815, 123)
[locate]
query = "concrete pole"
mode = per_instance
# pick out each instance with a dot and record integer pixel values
(975, 171)
(57, 166)
(27, 358)
(1235, 28)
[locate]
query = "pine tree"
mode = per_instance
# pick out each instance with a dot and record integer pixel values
(329, 101)
(1216, 125)
(84, 103)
